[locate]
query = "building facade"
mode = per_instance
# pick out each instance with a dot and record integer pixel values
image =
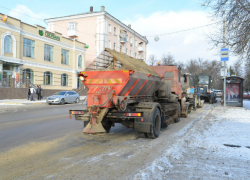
(100, 30)
(30, 53)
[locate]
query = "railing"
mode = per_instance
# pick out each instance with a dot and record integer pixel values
(13, 83)
(140, 48)
(123, 39)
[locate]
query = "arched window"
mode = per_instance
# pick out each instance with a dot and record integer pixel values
(48, 78)
(28, 75)
(80, 61)
(7, 44)
(64, 80)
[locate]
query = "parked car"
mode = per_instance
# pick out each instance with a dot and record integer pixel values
(63, 97)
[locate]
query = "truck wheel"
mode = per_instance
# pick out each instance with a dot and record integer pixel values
(62, 102)
(107, 125)
(156, 126)
(85, 123)
(177, 119)
(211, 100)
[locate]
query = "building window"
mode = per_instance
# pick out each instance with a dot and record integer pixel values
(114, 46)
(64, 80)
(48, 53)
(48, 78)
(135, 55)
(7, 44)
(114, 30)
(131, 53)
(28, 48)
(65, 57)
(131, 41)
(72, 26)
(126, 51)
(135, 42)
(80, 61)
(109, 44)
(28, 75)
(109, 28)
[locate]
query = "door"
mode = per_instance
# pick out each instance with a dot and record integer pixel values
(67, 97)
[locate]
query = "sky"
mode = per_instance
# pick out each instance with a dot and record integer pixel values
(150, 18)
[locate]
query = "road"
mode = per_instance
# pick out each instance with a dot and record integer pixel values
(43, 143)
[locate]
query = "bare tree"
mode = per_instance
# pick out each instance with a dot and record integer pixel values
(152, 60)
(237, 19)
(168, 59)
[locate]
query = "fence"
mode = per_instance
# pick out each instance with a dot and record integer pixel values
(15, 83)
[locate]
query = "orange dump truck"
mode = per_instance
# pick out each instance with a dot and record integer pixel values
(125, 90)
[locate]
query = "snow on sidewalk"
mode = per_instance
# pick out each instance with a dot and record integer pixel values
(217, 146)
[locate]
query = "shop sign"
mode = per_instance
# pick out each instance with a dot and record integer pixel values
(49, 35)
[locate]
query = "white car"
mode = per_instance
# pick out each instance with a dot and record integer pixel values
(63, 97)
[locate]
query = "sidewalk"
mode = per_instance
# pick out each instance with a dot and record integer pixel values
(28, 102)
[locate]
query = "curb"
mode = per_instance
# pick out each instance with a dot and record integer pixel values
(22, 103)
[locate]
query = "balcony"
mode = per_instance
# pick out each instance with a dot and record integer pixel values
(72, 33)
(123, 39)
(140, 49)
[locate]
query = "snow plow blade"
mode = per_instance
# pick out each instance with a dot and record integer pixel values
(97, 128)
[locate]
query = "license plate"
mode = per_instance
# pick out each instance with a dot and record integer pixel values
(201, 89)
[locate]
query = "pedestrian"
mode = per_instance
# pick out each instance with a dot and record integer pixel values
(32, 91)
(29, 93)
(39, 92)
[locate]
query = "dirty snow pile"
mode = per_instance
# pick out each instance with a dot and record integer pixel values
(216, 146)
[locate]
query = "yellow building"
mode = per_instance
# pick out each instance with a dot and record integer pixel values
(30, 53)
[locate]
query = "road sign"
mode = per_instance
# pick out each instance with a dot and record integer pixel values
(224, 54)
(228, 74)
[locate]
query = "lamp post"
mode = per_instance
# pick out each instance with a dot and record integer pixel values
(224, 64)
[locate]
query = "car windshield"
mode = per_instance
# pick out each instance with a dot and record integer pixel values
(203, 79)
(60, 93)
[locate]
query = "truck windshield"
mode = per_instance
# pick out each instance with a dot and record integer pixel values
(182, 80)
(191, 81)
(203, 79)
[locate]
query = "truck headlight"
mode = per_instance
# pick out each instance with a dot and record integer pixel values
(82, 78)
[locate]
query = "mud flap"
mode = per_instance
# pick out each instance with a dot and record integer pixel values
(184, 111)
(97, 126)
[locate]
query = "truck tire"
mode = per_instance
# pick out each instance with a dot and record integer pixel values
(178, 118)
(211, 100)
(156, 125)
(85, 123)
(107, 125)
(62, 101)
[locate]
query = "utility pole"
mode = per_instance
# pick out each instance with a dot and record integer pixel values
(224, 32)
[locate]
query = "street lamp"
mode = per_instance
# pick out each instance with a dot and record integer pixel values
(224, 45)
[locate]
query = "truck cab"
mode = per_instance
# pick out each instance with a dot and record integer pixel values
(204, 88)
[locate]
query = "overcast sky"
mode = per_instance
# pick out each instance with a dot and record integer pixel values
(147, 17)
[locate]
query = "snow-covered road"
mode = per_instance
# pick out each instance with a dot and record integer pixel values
(217, 146)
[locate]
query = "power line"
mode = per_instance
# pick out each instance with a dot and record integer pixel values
(175, 32)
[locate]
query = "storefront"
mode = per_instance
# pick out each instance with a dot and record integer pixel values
(31, 55)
